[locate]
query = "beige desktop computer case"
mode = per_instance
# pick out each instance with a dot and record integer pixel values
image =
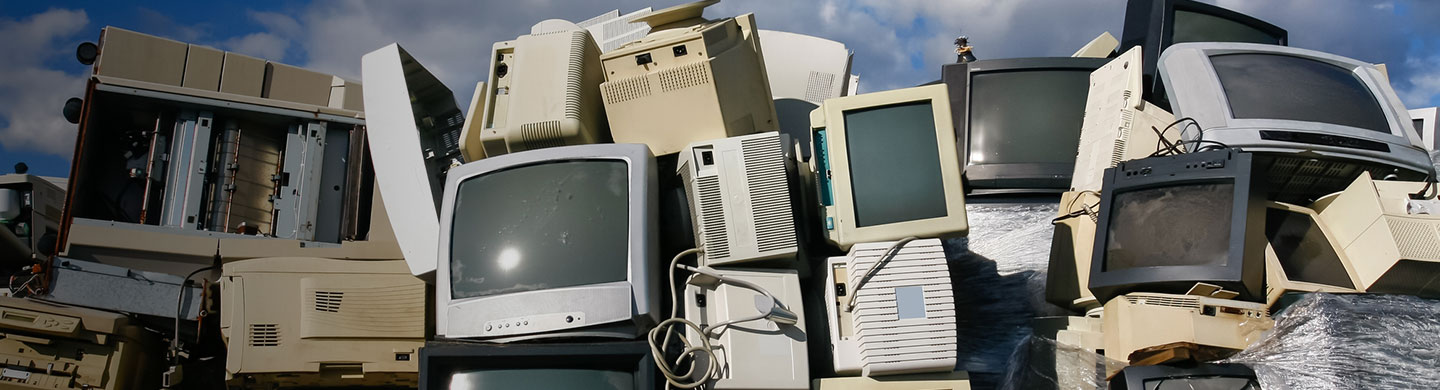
(689, 80)
(1391, 250)
(1137, 321)
(52, 346)
(1119, 125)
(322, 322)
(544, 92)
(741, 206)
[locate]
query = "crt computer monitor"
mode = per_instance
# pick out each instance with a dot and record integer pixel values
(1018, 120)
(1288, 102)
(886, 166)
(1424, 121)
(1167, 223)
(550, 242)
(1154, 25)
(591, 365)
(1208, 376)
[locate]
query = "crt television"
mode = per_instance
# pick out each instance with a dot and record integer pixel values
(624, 365)
(886, 166)
(1168, 223)
(1290, 102)
(1154, 25)
(1018, 121)
(1228, 376)
(550, 242)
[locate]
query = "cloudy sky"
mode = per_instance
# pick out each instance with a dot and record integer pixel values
(897, 43)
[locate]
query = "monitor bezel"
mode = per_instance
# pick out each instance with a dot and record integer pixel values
(1243, 271)
(642, 252)
(1198, 94)
(1134, 377)
(1279, 281)
(1150, 24)
(840, 220)
(1015, 177)
(1428, 118)
(439, 360)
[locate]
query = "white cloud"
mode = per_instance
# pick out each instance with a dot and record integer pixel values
(31, 95)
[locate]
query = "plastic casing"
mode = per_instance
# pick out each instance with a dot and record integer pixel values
(740, 200)
(873, 340)
(1142, 320)
(757, 354)
(1118, 122)
(1425, 123)
(841, 228)
(547, 95)
(1195, 91)
(1135, 377)
(622, 309)
(805, 67)
(1391, 250)
(1278, 283)
(1150, 24)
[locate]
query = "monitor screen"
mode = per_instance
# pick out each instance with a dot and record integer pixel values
(1182, 225)
(543, 226)
(1202, 27)
(1303, 251)
(1202, 383)
(1031, 116)
(894, 163)
(542, 379)
(1274, 86)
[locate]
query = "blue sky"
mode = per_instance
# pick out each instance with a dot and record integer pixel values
(897, 43)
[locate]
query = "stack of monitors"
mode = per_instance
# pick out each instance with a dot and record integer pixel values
(1154, 25)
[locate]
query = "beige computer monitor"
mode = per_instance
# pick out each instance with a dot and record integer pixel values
(1391, 250)
(1313, 263)
(938, 212)
(543, 91)
(1138, 321)
(1100, 47)
(689, 80)
(322, 322)
(470, 147)
(1119, 125)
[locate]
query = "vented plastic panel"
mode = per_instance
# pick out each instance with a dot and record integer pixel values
(888, 343)
(264, 335)
(328, 301)
(620, 91)
(541, 135)
(1164, 300)
(685, 76)
(1416, 240)
(769, 193)
(819, 87)
(575, 77)
(712, 218)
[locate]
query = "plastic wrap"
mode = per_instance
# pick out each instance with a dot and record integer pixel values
(1435, 159)
(1361, 341)
(1042, 363)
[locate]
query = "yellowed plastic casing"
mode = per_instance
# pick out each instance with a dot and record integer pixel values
(52, 346)
(1141, 320)
(1391, 250)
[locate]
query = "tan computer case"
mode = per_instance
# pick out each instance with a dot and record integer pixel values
(1391, 250)
(51, 346)
(1137, 321)
(322, 322)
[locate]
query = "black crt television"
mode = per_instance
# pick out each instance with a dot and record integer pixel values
(1154, 25)
(1167, 223)
(1205, 376)
(623, 365)
(1017, 121)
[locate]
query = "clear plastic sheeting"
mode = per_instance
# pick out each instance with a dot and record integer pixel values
(1359, 341)
(1042, 363)
(998, 273)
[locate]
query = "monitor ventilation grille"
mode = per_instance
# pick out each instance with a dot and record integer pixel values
(575, 74)
(769, 193)
(1415, 240)
(819, 87)
(1127, 120)
(539, 135)
(328, 301)
(621, 91)
(1179, 301)
(264, 335)
(685, 76)
(890, 343)
(712, 217)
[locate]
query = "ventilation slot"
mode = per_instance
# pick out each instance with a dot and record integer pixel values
(626, 90)
(769, 195)
(575, 76)
(712, 216)
(328, 301)
(818, 88)
(1127, 120)
(1151, 300)
(1415, 240)
(541, 135)
(264, 335)
(685, 77)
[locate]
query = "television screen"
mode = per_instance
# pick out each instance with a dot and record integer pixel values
(1202, 27)
(1275, 86)
(542, 226)
(1182, 225)
(542, 379)
(1303, 251)
(894, 164)
(1026, 116)
(1202, 383)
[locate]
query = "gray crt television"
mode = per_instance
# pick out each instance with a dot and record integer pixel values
(555, 242)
